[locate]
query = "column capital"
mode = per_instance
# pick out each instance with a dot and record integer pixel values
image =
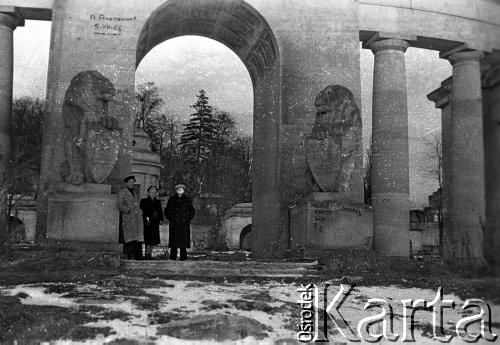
(442, 95)
(379, 35)
(11, 20)
(388, 44)
(465, 56)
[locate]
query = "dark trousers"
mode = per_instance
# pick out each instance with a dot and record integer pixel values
(132, 250)
(173, 254)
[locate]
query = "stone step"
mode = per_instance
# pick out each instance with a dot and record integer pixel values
(225, 264)
(223, 268)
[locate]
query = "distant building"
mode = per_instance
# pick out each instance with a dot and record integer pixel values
(424, 227)
(23, 220)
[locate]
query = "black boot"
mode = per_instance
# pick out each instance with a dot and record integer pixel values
(183, 256)
(173, 254)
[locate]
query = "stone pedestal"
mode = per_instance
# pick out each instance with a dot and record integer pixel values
(146, 164)
(324, 220)
(86, 213)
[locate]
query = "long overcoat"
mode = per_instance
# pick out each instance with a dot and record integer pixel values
(179, 212)
(132, 227)
(152, 215)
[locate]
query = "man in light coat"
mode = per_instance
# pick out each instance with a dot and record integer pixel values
(131, 218)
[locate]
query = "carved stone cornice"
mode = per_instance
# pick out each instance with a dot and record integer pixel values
(442, 95)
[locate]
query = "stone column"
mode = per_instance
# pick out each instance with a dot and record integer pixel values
(442, 99)
(8, 22)
(491, 108)
(464, 242)
(390, 176)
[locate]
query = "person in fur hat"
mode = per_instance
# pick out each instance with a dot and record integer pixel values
(152, 216)
(179, 212)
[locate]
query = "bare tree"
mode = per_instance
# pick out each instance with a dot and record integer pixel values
(434, 172)
(20, 168)
(164, 131)
(148, 101)
(434, 157)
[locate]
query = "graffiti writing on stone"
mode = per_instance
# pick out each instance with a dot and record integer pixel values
(320, 204)
(108, 25)
(320, 219)
(352, 210)
(324, 213)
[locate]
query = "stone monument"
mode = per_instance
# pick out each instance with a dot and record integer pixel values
(146, 164)
(330, 217)
(82, 208)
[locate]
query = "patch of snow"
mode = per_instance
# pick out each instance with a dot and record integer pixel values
(37, 296)
(179, 295)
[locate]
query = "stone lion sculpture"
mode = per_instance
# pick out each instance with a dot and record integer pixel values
(92, 135)
(335, 139)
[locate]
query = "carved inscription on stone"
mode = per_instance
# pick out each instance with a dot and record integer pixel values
(334, 140)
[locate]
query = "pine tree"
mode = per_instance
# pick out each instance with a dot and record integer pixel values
(222, 148)
(199, 136)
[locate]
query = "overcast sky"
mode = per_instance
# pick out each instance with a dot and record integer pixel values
(184, 65)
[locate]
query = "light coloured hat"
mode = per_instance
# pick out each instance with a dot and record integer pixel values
(180, 185)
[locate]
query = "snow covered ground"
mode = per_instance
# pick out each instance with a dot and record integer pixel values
(200, 312)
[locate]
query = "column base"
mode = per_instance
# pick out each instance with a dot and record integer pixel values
(391, 224)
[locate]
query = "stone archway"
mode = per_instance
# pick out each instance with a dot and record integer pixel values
(246, 238)
(242, 29)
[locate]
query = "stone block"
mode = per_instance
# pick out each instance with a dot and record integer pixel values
(87, 217)
(88, 188)
(237, 218)
(203, 237)
(322, 220)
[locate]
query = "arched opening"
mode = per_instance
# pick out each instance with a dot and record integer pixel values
(233, 23)
(246, 238)
(243, 30)
(181, 66)
(174, 72)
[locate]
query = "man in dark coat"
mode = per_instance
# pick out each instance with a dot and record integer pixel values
(152, 216)
(179, 212)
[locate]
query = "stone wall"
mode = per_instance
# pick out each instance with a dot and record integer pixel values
(203, 237)
(236, 218)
